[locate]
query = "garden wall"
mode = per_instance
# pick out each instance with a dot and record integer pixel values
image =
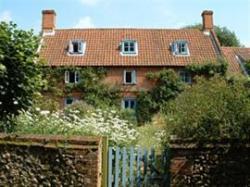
(222, 164)
(50, 161)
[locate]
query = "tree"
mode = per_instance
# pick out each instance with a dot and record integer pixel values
(20, 76)
(210, 109)
(225, 36)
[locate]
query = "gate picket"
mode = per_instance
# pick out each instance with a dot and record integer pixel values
(117, 168)
(110, 175)
(136, 168)
(124, 166)
(131, 167)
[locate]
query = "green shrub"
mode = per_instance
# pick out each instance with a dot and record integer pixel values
(210, 109)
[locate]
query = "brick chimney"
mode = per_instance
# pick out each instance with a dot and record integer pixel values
(48, 21)
(207, 20)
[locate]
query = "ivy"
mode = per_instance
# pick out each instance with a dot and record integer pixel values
(167, 86)
(209, 69)
(93, 90)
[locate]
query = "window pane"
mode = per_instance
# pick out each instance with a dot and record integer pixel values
(69, 101)
(132, 104)
(128, 77)
(126, 44)
(132, 44)
(126, 49)
(132, 49)
(72, 77)
(75, 47)
(126, 104)
(76, 77)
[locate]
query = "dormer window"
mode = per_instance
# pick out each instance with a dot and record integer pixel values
(71, 77)
(180, 48)
(129, 47)
(77, 47)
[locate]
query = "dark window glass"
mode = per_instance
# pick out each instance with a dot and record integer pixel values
(132, 104)
(126, 104)
(128, 77)
(72, 77)
(129, 103)
(69, 101)
(75, 47)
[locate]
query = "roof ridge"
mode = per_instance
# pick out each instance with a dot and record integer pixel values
(169, 29)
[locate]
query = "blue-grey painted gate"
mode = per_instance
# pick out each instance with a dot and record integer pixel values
(137, 167)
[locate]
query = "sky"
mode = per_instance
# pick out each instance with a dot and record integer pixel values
(234, 14)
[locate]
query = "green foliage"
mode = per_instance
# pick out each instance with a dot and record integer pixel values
(247, 66)
(209, 69)
(145, 107)
(20, 75)
(167, 86)
(225, 36)
(95, 92)
(128, 115)
(210, 109)
(151, 134)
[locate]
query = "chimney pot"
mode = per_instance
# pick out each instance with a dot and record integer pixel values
(48, 21)
(207, 20)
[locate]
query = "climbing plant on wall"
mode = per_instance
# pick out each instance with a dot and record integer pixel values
(90, 85)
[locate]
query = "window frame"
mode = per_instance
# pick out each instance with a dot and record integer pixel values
(67, 77)
(65, 101)
(185, 76)
(129, 99)
(81, 47)
(177, 47)
(129, 53)
(133, 77)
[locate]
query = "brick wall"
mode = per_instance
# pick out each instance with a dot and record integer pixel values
(115, 77)
(222, 164)
(50, 161)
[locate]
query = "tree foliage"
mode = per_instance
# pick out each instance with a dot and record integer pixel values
(210, 109)
(225, 36)
(20, 74)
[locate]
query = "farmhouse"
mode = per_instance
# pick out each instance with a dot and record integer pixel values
(129, 54)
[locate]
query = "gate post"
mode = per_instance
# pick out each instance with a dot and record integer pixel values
(104, 161)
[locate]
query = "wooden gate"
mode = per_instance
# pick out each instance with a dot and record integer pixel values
(137, 167)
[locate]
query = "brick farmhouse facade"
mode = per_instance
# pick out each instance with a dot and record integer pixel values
(129, 54)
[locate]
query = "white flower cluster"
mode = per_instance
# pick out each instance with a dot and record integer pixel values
(95, 123)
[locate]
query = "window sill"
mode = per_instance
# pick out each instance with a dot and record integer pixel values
(75, 54)
(129, 84)
(128, 54)
(181, 55)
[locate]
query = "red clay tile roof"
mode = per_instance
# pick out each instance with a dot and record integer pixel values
(102, 47)
(231, 52)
